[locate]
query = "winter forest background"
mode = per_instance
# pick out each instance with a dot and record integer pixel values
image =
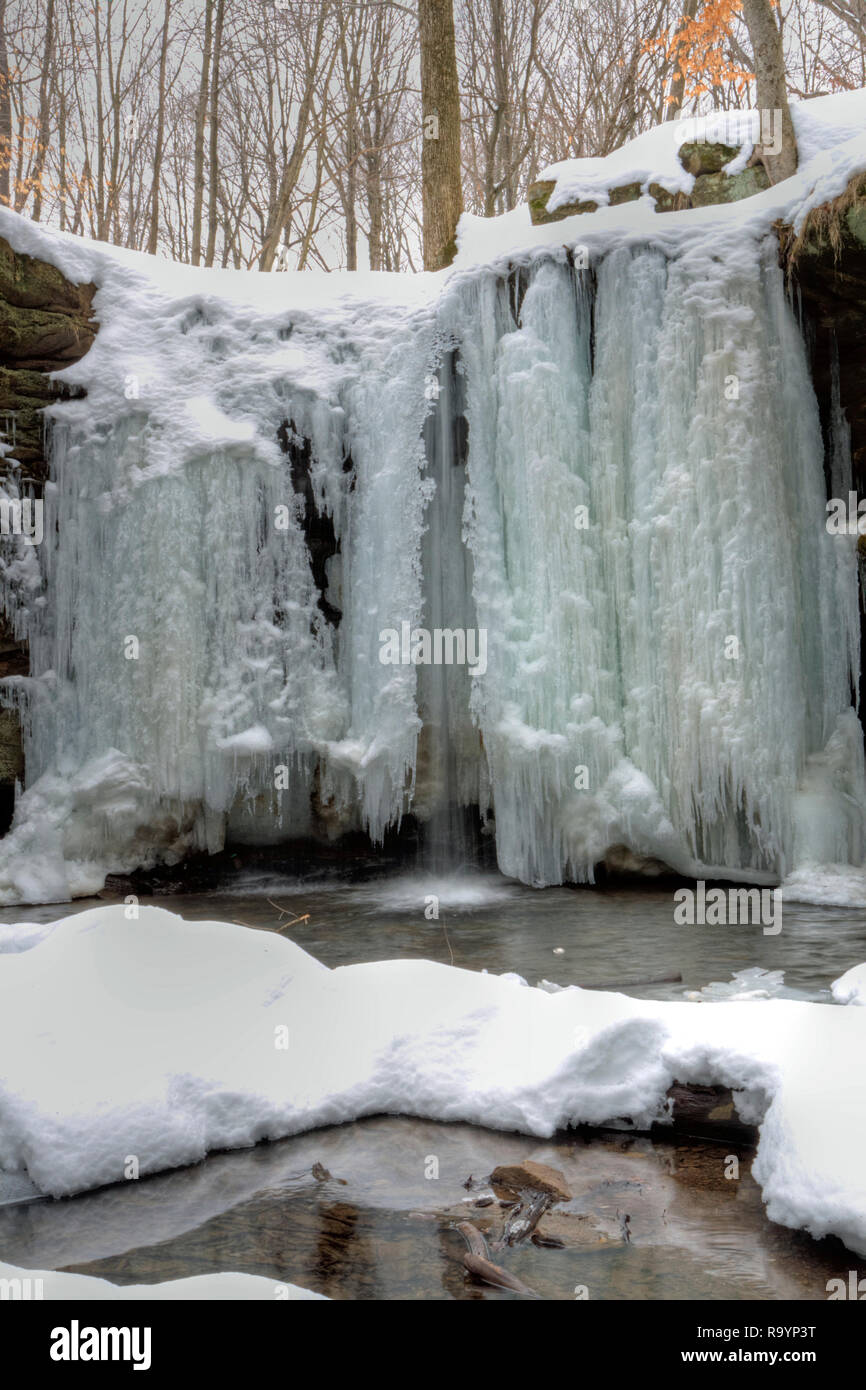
(214, 132)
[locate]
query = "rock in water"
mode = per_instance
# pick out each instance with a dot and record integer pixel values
(518, 1177)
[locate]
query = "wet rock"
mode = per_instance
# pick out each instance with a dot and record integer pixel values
(547, 1242)
(11, 755)
(530, 1176)
(707, 1110)
(566, 1229)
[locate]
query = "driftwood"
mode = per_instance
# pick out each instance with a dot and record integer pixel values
(479, 1264)
(523, 1218)
(495, 1275)
(474, 1239)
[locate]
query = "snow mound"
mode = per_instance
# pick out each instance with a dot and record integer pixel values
(46, 1284)
(137, 1045)
(831, 146)
(850, 988)
(827, 128)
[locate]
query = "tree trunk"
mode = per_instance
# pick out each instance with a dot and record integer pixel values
(44, 112)
(441, 183)
(678, 81)
(772, 91)
(282, 211)
(5, 115)
(200, 122)
(213, 172)
(153, 238)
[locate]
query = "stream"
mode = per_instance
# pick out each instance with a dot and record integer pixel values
(359, 1211)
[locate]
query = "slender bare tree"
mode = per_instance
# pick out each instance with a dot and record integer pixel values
(441, 179)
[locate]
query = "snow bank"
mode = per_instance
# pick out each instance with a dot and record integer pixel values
(829, 131)
(148, 1043)
(850, 988)
(35, 1284)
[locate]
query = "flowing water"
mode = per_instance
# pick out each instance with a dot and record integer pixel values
(373, 1224)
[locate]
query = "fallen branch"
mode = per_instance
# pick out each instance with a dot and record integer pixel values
(490, 1273)
(522, 1220)
(474, 1239)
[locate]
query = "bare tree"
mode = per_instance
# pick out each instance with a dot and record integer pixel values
(441, 182)
(771, 82)
(5, 112)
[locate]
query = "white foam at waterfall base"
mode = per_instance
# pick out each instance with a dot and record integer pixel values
(159, 1040)
(187, 686)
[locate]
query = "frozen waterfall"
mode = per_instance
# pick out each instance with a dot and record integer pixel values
(615, 474)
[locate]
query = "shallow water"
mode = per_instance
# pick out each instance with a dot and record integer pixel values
(486, 922)
(378, 1227)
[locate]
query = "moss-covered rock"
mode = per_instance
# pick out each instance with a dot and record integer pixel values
(33, 284)
(855, 219)
(700, 157)
(24, 394)
(666, 201)
(722, 188)
(45, 323)
(628, 193)
(538, 196)
(42, 338)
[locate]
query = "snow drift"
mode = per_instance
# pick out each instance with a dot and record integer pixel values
(158, 1040)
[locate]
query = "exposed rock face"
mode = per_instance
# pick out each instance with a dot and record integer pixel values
(826, 264)
(666, 201)
(45, 324)
(700, 157)
(705, 161)
(728, 188)
(538, 196)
